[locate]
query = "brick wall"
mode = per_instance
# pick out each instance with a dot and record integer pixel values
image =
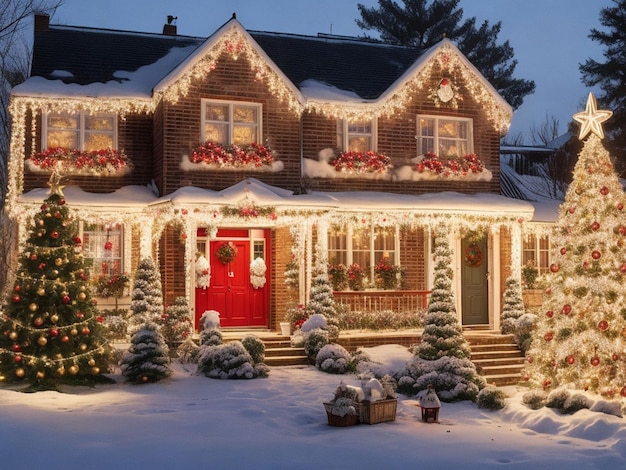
(412, 258)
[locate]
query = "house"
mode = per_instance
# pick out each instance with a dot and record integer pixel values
(243, 161)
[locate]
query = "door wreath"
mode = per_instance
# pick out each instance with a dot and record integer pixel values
(473, 256)
(226, 253)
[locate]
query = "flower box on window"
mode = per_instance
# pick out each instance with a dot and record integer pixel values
(454, 166)
(233, 157)
(361, 163)
(103, 162)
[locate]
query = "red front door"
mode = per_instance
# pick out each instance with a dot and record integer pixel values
(230, 291)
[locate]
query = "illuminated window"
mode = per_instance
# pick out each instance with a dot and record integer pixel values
(444, 136)
(231, 122)
(356, 135)
(103, 248)
(536, 251)
(80, 131)
(365, 246)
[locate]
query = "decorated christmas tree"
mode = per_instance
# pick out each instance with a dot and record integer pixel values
(147, 296)
(443, 356)
(579, 340)
(147, 359)
(49, 330)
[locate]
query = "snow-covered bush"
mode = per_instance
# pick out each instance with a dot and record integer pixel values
(147, 358)
(314, 340)
(377, 320)
(343, 407)
(557, 398)
(615, 408)
(211, 334)
(315, 321)
(188, 352)
(491, 398)
(513, 305)
(255, 347)
(453, 378)
(228, 361)
(522, 331)
(576, 402)
(535, 399)
(175, 323)
(334, 359)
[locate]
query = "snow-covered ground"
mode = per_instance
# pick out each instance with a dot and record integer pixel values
(191, 421)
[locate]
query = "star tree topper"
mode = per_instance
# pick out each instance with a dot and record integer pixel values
(591, 118)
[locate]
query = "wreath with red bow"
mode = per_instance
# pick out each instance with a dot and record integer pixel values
(473, 256)
(226, 253)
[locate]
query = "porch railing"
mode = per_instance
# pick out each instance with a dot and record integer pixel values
(395, 300)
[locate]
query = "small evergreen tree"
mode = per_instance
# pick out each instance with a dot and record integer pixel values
(147, 359)
(49, 329)
(175, 323)
(147, 296)
(322, 300)
(513, 307)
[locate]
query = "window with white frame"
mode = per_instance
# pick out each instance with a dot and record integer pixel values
(536, 252)
(444, 136)
(82, 131)
(365, 246)
(356, 135)
(103, 248)
(225, 122)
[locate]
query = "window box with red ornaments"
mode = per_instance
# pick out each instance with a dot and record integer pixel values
(431, 166)
(215, 156)
(103, 162)
(361, 164)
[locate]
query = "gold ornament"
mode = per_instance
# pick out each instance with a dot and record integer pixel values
(91, 363)
(82, 296)
(82, 347)
(61, 371)
(33, 307)
(74, 332)
(40, 374)
(58, 261)
(19, 372)
(95, 370)
(41, 291)
(54, 318)
(73, 370)
(42, 341)
(591, 118)
(13, 335)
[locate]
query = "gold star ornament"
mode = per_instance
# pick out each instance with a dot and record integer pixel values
(591, 118)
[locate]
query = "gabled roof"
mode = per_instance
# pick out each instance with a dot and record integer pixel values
(78, 61)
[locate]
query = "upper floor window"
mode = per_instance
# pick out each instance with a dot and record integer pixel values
(444, 136)
(228, 123)
(356, 135)
(82, 131)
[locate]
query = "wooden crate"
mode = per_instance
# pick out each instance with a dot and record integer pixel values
(380, 411)
(340, 421)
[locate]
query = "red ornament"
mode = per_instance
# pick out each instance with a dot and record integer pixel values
(184, 211)
(554, 268)
(547, 383)
(620, 206)
(16, 347)
(622, 230)
(595, 254)
(595, 226)
(66, 299)
(42, 266)
(527, 378)
(86, 331)
(16, 299)
(622, 392)
(571, 210)
(33, 257)
(567, 309)
(44, 207)
(100, 319)
(54, 332)
(65, 338)
(563, 251)
(57, 215)
(570, 360)
(17, 358)
(530, 360)
(549, 313)
(108, 246)
(54, 234)
(77, 240)
(80, 314)
(603, 325)
(17, 288)
(615, 357)
(604, 190)
(595, 361)
(548, 336)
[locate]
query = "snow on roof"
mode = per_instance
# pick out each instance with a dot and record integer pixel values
(127, 197)
(135, 84)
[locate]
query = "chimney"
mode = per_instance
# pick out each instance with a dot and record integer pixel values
(42, 21)
(169, 29)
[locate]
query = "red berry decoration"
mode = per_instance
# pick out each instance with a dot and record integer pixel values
(571, 210)
(61, 202)
(595, 254)
(54, 332)
(563, 251)
(620, 206)
(548, 336)
(100, 319)
(595, 226)
(554, 268)
(570, 360)
(108, 246)
(615, 357)
(567, 309)
(595, 361)
(603, 325)
(549, 313)
(604, 190)
(86, 331)
(16, 347)
(54, 234)
(80, 314)
(66, 299)
(33, 257)
(17, 358)
(16, 299)
(77, 240)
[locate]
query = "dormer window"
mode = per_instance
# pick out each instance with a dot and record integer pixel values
(226, 123)
(81, 131)
(356, 135)
(444, 136)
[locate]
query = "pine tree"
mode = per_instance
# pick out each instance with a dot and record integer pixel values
(443, 356)
(513, 307)
(147, 358)
(579, 340)
(49, 331)
(176, 324)
(322, 300)
(147, 296)
(443, 334)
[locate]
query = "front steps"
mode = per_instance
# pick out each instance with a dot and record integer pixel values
(497, 357)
